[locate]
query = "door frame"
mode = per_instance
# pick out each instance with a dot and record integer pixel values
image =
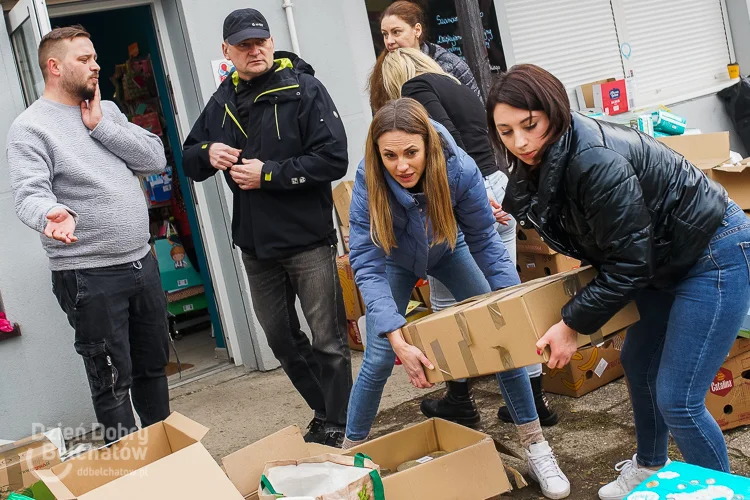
(235, 326)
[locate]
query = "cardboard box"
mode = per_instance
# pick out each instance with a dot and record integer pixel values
(585, 93)
(472, 469)
(531, 266)
(529, 241)
(353, 302)
(498, 331)
(244, 467)
(710, 153)
(345, 238)
(590, 368)
(19, 460)
(611, 97)
(354, 335)
(728, 399)
(164, 460)
(342, 199)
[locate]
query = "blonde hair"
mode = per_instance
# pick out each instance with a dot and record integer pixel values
(408, 116)
(402, 65)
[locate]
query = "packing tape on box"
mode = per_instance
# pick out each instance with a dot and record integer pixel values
(571, 285)
(463, 327)
(597, 338)
(440, 359)
(496, 315)
(416, 341)
(505, 358)
(471, 365)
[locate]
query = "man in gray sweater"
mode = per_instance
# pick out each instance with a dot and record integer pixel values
(74, 162)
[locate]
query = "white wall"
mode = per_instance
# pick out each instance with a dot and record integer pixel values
(42, 379)
(334, 38)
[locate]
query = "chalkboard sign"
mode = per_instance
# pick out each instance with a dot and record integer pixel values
(442, 28)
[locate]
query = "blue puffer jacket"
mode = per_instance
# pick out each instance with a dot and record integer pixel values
(475, 221)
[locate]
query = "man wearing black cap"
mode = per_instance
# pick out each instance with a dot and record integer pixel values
(274, 131)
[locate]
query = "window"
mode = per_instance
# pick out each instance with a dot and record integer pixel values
(673, 47)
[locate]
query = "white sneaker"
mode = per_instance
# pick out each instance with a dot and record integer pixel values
(544, 470)
(631, 475)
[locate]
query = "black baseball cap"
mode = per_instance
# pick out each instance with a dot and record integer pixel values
(243, 24)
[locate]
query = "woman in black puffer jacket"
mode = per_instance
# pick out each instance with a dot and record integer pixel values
(659, 232)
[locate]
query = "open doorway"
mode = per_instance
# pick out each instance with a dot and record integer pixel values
(132, 75)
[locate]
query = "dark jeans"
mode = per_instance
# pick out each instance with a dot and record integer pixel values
(321, 372)
(119, 314)
(673, 353)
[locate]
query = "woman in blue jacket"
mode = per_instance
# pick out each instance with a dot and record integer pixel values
(419, 205)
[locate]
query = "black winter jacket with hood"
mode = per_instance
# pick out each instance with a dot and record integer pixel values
(295, 129)
(636, 210)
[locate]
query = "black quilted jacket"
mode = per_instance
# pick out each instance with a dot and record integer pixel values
(636, 210)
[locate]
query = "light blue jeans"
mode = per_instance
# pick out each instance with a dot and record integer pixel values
(673, 353)
(441, 298)
(464, 279)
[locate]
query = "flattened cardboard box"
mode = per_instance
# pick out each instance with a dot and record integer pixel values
(498, 331)
(19, 461)
(245, 466)
(728, 399)
(472, 468)
(531, 266)
(710, 153)
(529, 241)
(163, 461)
(589, 368)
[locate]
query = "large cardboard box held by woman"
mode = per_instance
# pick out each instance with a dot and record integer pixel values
(499, 331)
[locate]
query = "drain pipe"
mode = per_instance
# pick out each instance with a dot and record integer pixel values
(287, 4)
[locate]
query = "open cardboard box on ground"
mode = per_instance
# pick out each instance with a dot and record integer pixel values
(471, 469)
(498, 331)
(590, 368)
(244, 467)
(710, 153)
(19, 461)
(163, 461)
(728, 399)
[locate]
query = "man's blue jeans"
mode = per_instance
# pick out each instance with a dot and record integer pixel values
(460, 273)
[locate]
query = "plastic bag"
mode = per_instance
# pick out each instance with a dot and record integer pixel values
(737, 103)
(325, 477)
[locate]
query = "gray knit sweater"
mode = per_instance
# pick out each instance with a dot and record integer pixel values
(55, 161)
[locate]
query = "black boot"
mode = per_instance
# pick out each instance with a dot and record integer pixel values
(457, 406)
(547, 415)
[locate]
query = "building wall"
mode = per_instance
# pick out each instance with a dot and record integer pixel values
(42, 378)
(333, 37)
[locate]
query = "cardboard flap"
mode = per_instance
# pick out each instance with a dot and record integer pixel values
(191, 473)
(705, 151)
(182, 432)
(18, 447)
(732, 167)
(55, 485)
(244, 467)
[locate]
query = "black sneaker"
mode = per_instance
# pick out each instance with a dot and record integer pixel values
(316, 431)
(547, 415)
(334, 439)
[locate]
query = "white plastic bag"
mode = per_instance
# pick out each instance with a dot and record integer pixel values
(325, 477)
